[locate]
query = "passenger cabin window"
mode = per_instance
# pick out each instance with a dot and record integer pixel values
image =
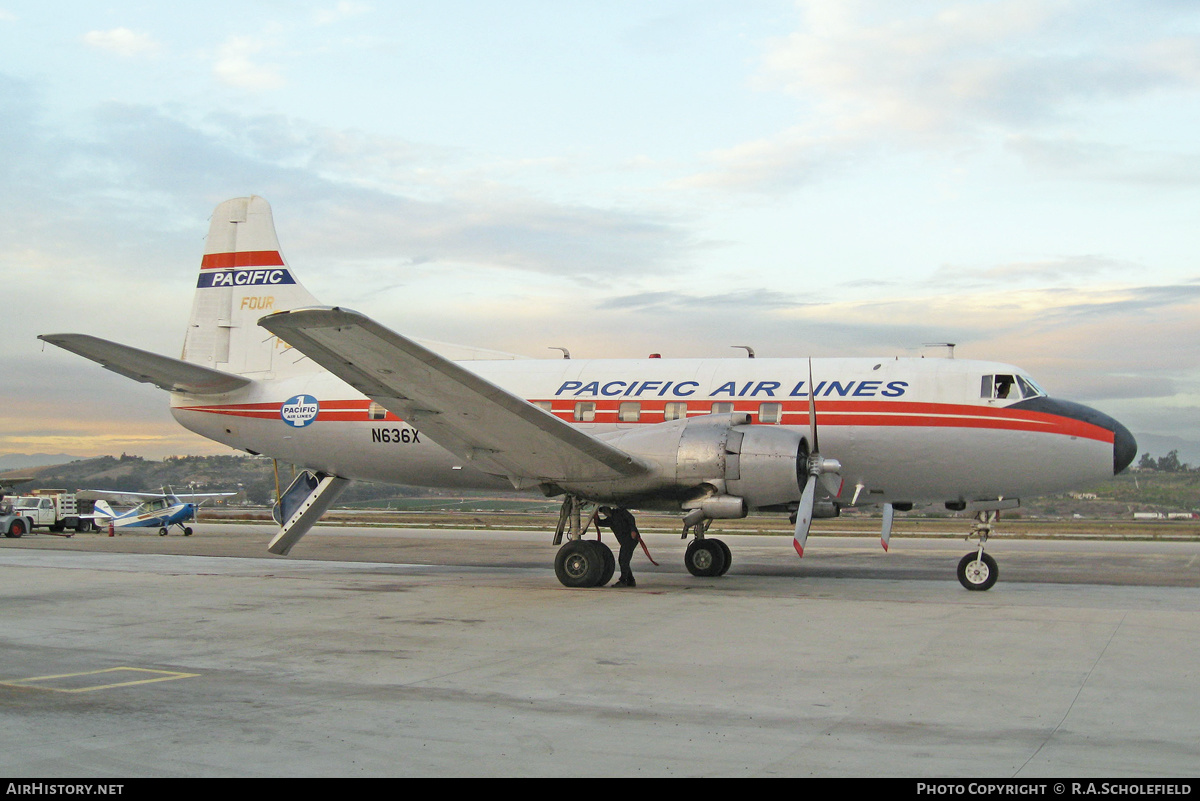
(675, 410)
(722, 408)
(545, 406)
(376, 412)
(585, 412)
(629, 412)
(770, 413)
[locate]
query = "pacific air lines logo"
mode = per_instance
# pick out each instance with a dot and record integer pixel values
(300, 410)
(243, 268)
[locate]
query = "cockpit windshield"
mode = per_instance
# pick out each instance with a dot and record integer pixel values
(1009, 387)
(155, 505)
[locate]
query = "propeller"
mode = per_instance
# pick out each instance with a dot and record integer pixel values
(827, 471)
(889, 514)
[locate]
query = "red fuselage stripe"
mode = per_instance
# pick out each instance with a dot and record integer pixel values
(878, 414)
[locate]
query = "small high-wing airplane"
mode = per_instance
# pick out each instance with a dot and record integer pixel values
(160, 510)
(267, 370)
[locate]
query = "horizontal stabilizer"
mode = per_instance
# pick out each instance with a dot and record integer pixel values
(497, 431)
(163, 372)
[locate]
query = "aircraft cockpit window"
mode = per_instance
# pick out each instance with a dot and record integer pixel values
(1028, 388)
(1000, 387)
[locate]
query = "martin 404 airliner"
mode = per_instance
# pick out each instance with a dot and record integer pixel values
(267, 370)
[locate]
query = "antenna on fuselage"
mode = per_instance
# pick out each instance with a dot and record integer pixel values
(566, 353)
(949, 346)
(749, 350)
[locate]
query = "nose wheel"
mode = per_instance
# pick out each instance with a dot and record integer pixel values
(977, 571)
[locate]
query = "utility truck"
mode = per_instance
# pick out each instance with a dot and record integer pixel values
(56, 509)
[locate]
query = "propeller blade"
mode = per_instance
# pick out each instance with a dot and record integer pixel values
(889, 514)
(812, 413)
(804, 515)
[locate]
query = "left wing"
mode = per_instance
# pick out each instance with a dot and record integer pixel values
(125, 496)
(496, 431)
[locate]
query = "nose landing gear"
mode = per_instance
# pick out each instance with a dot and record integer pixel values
(977, 571)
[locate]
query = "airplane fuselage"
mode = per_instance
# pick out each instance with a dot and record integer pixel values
(904, 429)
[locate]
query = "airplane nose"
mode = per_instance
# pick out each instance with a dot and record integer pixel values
(1124, 447)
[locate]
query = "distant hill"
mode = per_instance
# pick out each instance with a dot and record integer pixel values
(1155, 445)
(19, 461)
(252, 476)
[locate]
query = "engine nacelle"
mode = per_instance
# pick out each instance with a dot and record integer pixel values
(717, 459)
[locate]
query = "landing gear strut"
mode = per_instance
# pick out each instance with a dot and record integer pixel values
(977, 571)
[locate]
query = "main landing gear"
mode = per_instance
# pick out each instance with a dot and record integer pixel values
(187, 530)
(580, 563)
(977, 571)
(590, 563)
(705, 556)
(584, 563)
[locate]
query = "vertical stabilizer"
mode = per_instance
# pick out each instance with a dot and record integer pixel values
(243, 276)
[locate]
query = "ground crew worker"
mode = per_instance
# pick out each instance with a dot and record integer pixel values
(625, 529)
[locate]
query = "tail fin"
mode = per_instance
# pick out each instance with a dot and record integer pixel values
(242, 277)
(102, 509)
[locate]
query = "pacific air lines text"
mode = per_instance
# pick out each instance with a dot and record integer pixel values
(733, 389)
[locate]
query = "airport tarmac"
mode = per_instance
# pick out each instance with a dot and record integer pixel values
(388, 652)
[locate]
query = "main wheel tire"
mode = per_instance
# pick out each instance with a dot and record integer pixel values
(728, 555)
(610, 563)
(977, 573)
(16, 529)
(579, 564)
(187, 531)
(162, 532)
(704, 558)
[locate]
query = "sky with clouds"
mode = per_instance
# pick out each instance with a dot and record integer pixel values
(810, 178)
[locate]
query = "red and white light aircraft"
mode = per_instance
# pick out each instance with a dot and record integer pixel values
(334, 390)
